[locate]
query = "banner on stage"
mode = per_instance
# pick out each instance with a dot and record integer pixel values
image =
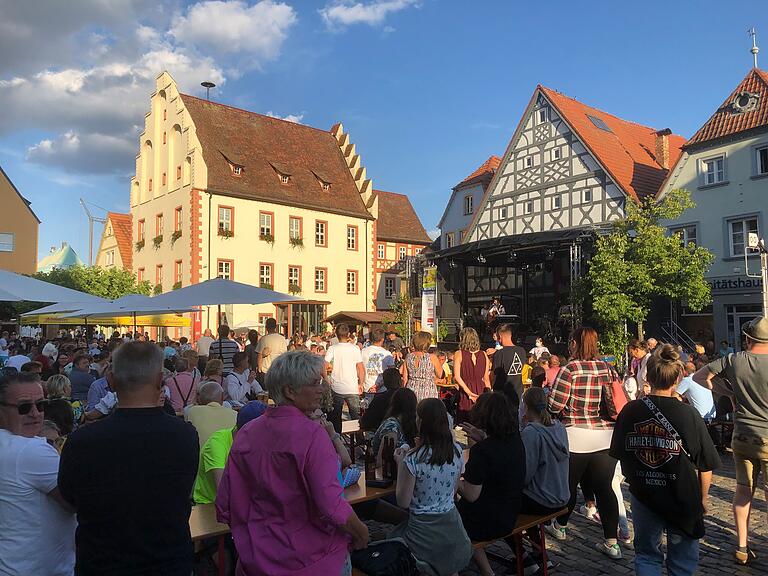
(428, 289)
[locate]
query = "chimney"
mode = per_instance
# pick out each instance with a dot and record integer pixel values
(662, 147)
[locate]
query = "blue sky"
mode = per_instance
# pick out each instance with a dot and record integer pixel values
(427, 89)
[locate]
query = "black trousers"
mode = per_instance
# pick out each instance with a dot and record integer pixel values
(595, 469)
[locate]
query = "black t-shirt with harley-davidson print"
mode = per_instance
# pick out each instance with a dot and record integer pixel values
(659, 473)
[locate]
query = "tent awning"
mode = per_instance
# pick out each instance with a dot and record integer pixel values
(358, 317)
(219, 292)
(164, 320)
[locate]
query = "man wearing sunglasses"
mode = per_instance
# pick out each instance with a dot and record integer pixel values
(33, 515)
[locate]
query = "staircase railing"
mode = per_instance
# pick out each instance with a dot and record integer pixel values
(674, 334)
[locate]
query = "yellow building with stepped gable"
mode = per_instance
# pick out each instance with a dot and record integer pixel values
(224, 192)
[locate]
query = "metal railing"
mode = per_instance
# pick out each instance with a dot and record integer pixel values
(677, 336)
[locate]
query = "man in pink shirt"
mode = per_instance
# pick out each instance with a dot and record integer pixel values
(182, 386)
(280, 492)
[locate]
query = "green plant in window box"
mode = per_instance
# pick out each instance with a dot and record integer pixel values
(294, 288)
(297, 243)
(176, 285)
(158, 289)
(139, 245)
(157, 240)
(268, 238)
(266, 286)
(175, 236)
(226, 233)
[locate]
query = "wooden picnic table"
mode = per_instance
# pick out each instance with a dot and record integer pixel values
(350, 429)
(203, 525)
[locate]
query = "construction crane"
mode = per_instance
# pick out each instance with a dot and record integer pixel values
(91, 220)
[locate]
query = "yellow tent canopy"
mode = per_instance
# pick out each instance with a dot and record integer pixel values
(162, 320)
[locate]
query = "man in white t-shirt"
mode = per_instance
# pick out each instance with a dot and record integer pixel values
(269, 347)
(347, 376)
(376, 359)
(204, 345)
(38, 527)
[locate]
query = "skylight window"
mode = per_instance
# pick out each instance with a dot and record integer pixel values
(599, 123)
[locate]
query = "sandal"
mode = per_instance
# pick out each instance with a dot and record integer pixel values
(744, 557)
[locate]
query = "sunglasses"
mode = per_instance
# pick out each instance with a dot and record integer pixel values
(26, 407)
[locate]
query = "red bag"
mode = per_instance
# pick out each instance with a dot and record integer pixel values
(613, 398)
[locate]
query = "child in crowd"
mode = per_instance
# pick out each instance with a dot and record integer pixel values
(427, 480)
(667, 456)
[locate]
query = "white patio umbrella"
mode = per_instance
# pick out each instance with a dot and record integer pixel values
(65, 307)
(131, 305)
(218, 292)
(17, 287)
(248, 324)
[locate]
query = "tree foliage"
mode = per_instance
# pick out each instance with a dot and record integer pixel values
(400, 315)
(110, 283)
(637, 261)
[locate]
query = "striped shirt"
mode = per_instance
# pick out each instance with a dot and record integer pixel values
(224, 350)
(577, 391)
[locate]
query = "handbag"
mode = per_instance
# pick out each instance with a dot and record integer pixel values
(613, 397)
(385, 558)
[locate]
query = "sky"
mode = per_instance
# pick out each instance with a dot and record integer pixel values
(427, 89)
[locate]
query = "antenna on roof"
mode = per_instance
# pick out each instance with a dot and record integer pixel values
(208, 86)
(754, 49)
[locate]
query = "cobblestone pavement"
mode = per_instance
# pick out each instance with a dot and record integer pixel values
(577, 555)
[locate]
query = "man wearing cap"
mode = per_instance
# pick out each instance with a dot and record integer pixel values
(215, 451)
(744, 377)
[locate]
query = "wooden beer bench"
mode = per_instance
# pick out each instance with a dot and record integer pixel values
(524, 522)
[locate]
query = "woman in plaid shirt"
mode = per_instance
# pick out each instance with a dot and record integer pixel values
(576, 395)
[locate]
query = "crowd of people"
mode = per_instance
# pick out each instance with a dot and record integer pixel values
(105, 444)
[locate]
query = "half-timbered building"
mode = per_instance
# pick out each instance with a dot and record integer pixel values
(568, 171)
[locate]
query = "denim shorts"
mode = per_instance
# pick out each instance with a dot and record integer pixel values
(750, 457)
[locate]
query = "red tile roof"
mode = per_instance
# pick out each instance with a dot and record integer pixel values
(122, 229)
(727, 120)
(263, 145)
(398, 221)
(487, 168)
(627, 151)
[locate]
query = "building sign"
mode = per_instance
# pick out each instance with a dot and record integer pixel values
(428, 285)
(731, 284)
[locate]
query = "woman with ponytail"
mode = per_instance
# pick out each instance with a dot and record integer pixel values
(667, 457)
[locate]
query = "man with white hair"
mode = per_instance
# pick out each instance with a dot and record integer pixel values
(38, 527)
(129, 476)
(211, 413)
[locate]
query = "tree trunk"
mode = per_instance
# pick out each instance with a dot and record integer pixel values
(640, 331)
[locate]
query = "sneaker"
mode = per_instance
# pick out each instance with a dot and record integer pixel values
(590, 513)
(555, 530)
(625, 537)
(613, 551)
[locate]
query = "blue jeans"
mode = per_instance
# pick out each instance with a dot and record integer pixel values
(353, 404)
(682, 550)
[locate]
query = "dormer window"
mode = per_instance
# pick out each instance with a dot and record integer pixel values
(284, 178)
(325, 185)
(237, 170)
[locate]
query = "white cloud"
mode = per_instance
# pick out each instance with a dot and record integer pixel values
(86, 88)
(256, 33)
(295, 118)
(92, 153)
(342, 13)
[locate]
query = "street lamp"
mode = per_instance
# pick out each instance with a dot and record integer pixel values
(208, 86)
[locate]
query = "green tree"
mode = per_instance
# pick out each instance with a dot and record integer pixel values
(400, 315)
(110, 283)
(637, 261)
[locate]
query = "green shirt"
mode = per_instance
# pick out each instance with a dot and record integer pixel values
(213, 456)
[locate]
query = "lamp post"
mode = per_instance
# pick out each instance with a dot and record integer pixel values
(208, 86)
